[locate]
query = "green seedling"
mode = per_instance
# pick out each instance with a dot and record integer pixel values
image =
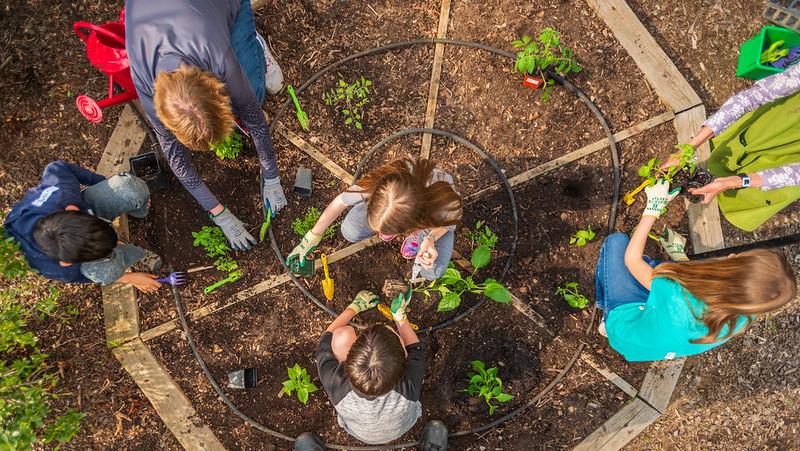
(226, 264)
(571, 294)
(12, 264)
(265, 225)
(687, 161)
(301, 226)
(302, 117)
(486, 384)
(299, 380)
(229, 147)
(774, 52)
(581, 237)
(537, 57)
(350, 99)
(482, 235)
(232, 277)
(213, 241)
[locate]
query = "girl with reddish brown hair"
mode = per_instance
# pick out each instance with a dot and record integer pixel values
(406, 196)
(657, 311)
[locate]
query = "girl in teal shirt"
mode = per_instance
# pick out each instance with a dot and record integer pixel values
(657, 311)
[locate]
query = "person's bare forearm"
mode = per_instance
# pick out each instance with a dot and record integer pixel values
(703, 135)
(635, 249)
(332, 211)
(342, 320)
(407, 333)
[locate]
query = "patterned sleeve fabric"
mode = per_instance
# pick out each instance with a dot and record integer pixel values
(762, 92)
(780, 177)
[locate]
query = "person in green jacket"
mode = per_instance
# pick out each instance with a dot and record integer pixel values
(661, 311)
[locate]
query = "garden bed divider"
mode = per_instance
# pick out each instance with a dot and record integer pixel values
(436, 77)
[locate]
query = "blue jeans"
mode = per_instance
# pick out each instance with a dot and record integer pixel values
(248, 51)
(121, 193)
(614, 283)
(355, 228)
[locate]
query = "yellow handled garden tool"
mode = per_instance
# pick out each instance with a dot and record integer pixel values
(630, 197)
(387, 312)
(327, 282)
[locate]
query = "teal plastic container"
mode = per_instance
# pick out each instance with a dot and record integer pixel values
(749, 65)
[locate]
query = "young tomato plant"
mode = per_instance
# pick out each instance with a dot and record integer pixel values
(687, 161)
(571, 294)
(230, 147)
(581, 237)
(486, 384)
(482, 235)
(542, 55)
(350, 99)
(301, 226)
(213, 241)
(299, 380)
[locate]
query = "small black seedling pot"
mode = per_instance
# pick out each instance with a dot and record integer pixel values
(303, 182)
(147, 168)
(698, 179)
(245, 378)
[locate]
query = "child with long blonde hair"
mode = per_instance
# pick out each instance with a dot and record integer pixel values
(406, 196)
(657, 311)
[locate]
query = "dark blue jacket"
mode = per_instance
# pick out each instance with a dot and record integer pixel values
(60, 186)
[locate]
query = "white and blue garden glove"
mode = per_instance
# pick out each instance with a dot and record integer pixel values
(272, 194)
(658, 196)
(364, 301)
(674, 244)
(234, 230)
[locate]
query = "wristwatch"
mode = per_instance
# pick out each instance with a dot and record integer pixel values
(745, 180)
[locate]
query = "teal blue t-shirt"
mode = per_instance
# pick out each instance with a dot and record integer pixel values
(660, 329)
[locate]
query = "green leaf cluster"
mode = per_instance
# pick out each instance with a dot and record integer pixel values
(486, 384)
(544, 54)
(302, 225)
(299, 380)
(12, 264)
(687, 161)
(581, 237)
(482, 235)
(212, 240)
(229, 147)
(351, 99)
(571, 294)
(226, 264)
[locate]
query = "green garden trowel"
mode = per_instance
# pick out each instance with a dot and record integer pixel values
(302, 117)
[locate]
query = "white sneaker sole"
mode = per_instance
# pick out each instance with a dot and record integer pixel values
(274, 76)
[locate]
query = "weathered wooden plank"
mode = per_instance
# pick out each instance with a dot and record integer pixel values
(621, 428)
(436, 77)
(612, 377)
(658, 69)
(338, 171)
(125, 142)
(120, 312)
(660, 381)
(574, 155)
(705, 229)
(166, 396)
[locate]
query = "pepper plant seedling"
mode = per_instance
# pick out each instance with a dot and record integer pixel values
(350, 99)
(229, 147)
(544, 54)
(482, 235)
(687, 161)
(213, 241)
(299, 380)
(581, 237)
(301, 226)
(486, 384)
(571, 294)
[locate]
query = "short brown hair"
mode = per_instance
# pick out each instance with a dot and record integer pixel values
(193, 105)
(376, 361)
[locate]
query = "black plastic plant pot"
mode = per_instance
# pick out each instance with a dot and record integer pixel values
(698, 179)
(147, 168)
(303, 182)
(246, 378)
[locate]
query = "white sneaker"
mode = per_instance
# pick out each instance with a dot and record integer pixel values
(274, 79)
(601, 328)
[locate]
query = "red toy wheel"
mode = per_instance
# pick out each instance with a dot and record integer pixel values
(89, 109)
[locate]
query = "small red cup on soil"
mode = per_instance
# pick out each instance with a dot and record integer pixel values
(532, 82)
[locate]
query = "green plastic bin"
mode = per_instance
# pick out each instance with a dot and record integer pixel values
(749, 65)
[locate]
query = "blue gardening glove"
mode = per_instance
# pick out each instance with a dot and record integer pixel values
(364, 301)
(272, 193)
(658, 196)
(234, 230)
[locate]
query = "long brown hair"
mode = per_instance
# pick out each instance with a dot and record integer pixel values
(376, 361)
(399, 199)
(746, 284)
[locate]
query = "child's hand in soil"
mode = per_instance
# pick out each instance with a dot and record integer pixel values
(427, 253)
(364, 301)
(143, 282)
(399, 307)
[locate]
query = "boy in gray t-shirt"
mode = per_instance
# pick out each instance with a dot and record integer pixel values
(374, 378)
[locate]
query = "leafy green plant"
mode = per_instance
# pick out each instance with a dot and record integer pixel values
(350, 99)
(299, 380)
(229, 147)
(302, 225)
(213, 241)
(542, 55)
(687, 161)
(486, 384)
(581, 237)
(226, 264)
(482, 235)
(452, 285)
(12, 264)
(571, 294)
